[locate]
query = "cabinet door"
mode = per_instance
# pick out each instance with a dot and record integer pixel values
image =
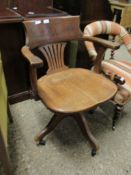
(70, 6)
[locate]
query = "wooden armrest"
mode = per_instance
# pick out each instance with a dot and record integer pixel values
(33, 60)
(103, 42)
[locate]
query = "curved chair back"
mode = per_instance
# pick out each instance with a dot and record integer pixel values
(51, 30)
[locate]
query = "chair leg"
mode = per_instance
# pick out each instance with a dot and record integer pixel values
(5, 157)
(55, 120)
(83, 124)
(117, 114)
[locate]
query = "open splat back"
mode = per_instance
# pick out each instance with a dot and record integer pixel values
(65, 91)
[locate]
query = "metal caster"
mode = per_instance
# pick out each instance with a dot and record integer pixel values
(93, 152)
(91, 111)
(41, 142)
(113, 128)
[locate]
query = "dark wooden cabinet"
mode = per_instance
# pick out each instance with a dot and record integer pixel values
(70, 6)
(15, 68)
(92, 10)
(30, 3)
(89, 10)
(11, 41)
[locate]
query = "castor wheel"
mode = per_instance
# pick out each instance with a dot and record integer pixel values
(41, 142)
(91, 111)
(113, 128)
(93, 152)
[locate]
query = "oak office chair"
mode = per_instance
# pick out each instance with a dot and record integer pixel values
(63, 90)
(117, 71)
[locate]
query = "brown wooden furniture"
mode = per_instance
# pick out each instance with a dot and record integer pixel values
(65, 91)
(29, 9)
(85, 8)
(95, 10)
(11, 29)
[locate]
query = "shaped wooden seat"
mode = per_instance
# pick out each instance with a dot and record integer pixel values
(65, 91)
(74, 90)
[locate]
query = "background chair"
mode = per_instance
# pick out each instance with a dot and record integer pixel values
(63, 90)
(118, 71)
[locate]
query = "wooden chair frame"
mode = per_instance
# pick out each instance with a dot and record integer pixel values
(52, 35)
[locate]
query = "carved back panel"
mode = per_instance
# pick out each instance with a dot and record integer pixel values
(54, 54)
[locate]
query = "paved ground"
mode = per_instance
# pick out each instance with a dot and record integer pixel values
(67, 151)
